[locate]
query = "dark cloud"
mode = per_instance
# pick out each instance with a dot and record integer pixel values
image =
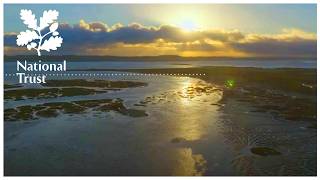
(10, 39)
(275, 47)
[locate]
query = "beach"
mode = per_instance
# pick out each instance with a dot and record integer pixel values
(227, 121)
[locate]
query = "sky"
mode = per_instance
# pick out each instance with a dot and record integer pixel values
(233, 30)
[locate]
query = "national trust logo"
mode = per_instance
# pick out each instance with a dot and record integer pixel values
(42, 37)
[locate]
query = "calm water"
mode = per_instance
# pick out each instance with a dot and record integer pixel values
(10, 67)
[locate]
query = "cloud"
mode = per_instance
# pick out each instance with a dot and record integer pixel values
(10, 39)
(97, 38)
(290, 43)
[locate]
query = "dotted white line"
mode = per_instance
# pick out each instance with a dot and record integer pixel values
(116, 74)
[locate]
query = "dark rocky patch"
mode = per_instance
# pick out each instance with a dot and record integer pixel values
(178, 140)
(10, 86)
(53, 109)
(21, 94)
(264, 151)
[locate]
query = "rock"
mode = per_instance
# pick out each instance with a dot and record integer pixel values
(264, 151)
(178, 140)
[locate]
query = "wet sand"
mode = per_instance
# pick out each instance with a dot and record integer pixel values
(235, 121)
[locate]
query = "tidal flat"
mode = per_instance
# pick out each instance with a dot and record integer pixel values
(286, 93)
(231, 121)
(62, 88)
(49, 110)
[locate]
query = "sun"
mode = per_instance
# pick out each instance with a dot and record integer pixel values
(189, 21)
(188, 25)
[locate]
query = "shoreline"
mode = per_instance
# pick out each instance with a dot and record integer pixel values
(266, 90)
(243, 75)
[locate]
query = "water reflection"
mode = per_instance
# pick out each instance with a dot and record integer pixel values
(184, 93)
(185, 116)
(195, 111)
(189, 118)
(188, 164)
(181, 110)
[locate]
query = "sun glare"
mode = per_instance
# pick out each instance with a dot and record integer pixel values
(185, 96)
(189, 20)
(188, 25)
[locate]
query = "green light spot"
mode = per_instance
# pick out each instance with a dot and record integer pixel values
(230, 83)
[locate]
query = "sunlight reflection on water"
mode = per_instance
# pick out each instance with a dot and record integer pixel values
(189, 164)
(192, 109)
